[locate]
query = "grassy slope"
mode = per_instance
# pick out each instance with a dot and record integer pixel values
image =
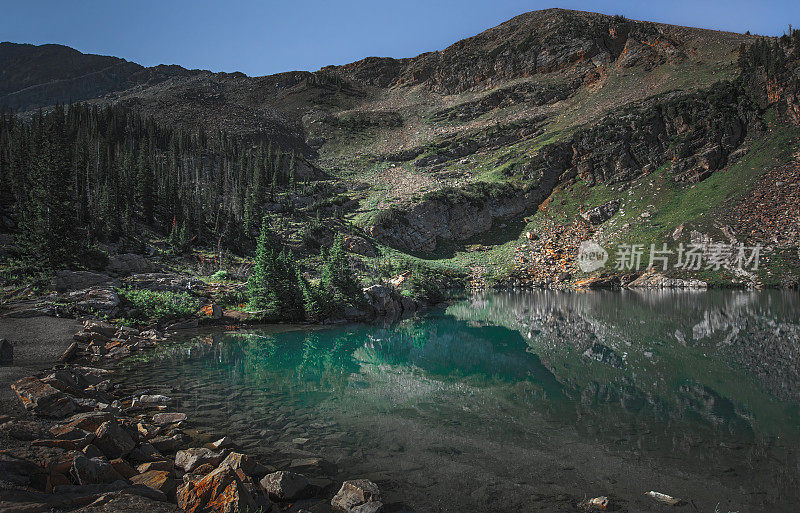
(670, 204)
(356, 157)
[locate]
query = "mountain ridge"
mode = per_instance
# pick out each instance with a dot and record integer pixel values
(489, 129)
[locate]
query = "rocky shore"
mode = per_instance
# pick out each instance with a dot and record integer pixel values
(86, 443)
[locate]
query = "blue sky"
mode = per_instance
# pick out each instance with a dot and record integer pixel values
(263, 37)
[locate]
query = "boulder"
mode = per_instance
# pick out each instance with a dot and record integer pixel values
(212, 310)
(91, 451)
(190, 459)
(603, 213)
(384, 300)
(42, 399)
(95, 298)
(160, 480)
(67, 445)
(128, 263)
(359, 245)
(6, 352)
(113, 440)
(284, 486)
(221, 491)
(15, 470)
(106, 488)
(84, 471)
(147, 430)
(80, 437)
(151, 400)
(223, 443)
(312, 465)
(356, 493)
(105, 329)
(106, 472)
(78, 280)
(237, 460)
(166, 443)
(89, 421)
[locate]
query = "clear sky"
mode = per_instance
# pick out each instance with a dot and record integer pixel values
(263, 37)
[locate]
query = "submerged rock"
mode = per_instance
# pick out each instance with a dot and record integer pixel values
(190, 459)
(168, 418)
(285, 485)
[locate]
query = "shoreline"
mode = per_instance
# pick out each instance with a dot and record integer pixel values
(84, 440)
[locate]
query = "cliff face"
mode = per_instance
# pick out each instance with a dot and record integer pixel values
(551, 40)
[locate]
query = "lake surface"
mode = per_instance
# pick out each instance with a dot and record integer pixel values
(521, 401)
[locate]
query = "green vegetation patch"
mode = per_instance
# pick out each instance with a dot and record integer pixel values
(158, 305)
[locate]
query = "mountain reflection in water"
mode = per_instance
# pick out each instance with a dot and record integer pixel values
(698, 393)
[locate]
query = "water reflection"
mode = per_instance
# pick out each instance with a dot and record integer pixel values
(699, 389)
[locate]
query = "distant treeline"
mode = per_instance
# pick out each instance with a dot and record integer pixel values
(770, 55)
(79, 174)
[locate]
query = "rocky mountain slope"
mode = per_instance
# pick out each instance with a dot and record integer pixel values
(460, 156)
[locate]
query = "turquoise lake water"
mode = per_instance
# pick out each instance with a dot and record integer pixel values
(521, 401)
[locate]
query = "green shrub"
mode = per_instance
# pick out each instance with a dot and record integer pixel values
(219, 276)
(161, 305)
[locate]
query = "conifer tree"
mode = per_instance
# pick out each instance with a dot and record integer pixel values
(260, 285)
(337, 277)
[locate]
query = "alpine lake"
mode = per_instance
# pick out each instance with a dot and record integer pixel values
(517, 401)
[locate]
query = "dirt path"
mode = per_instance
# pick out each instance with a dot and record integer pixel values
(38, 342)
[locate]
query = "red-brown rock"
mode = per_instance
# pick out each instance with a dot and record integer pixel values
(160, 480)
(220, 491)
(43, 399)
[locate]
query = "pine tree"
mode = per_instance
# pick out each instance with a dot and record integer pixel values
(337, 276)
(316, 302)
(184, 240)
(260, 286)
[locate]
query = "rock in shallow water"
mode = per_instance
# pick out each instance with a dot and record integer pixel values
(358, 496)
(190, 459)
(284, 485)
(168, 418)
